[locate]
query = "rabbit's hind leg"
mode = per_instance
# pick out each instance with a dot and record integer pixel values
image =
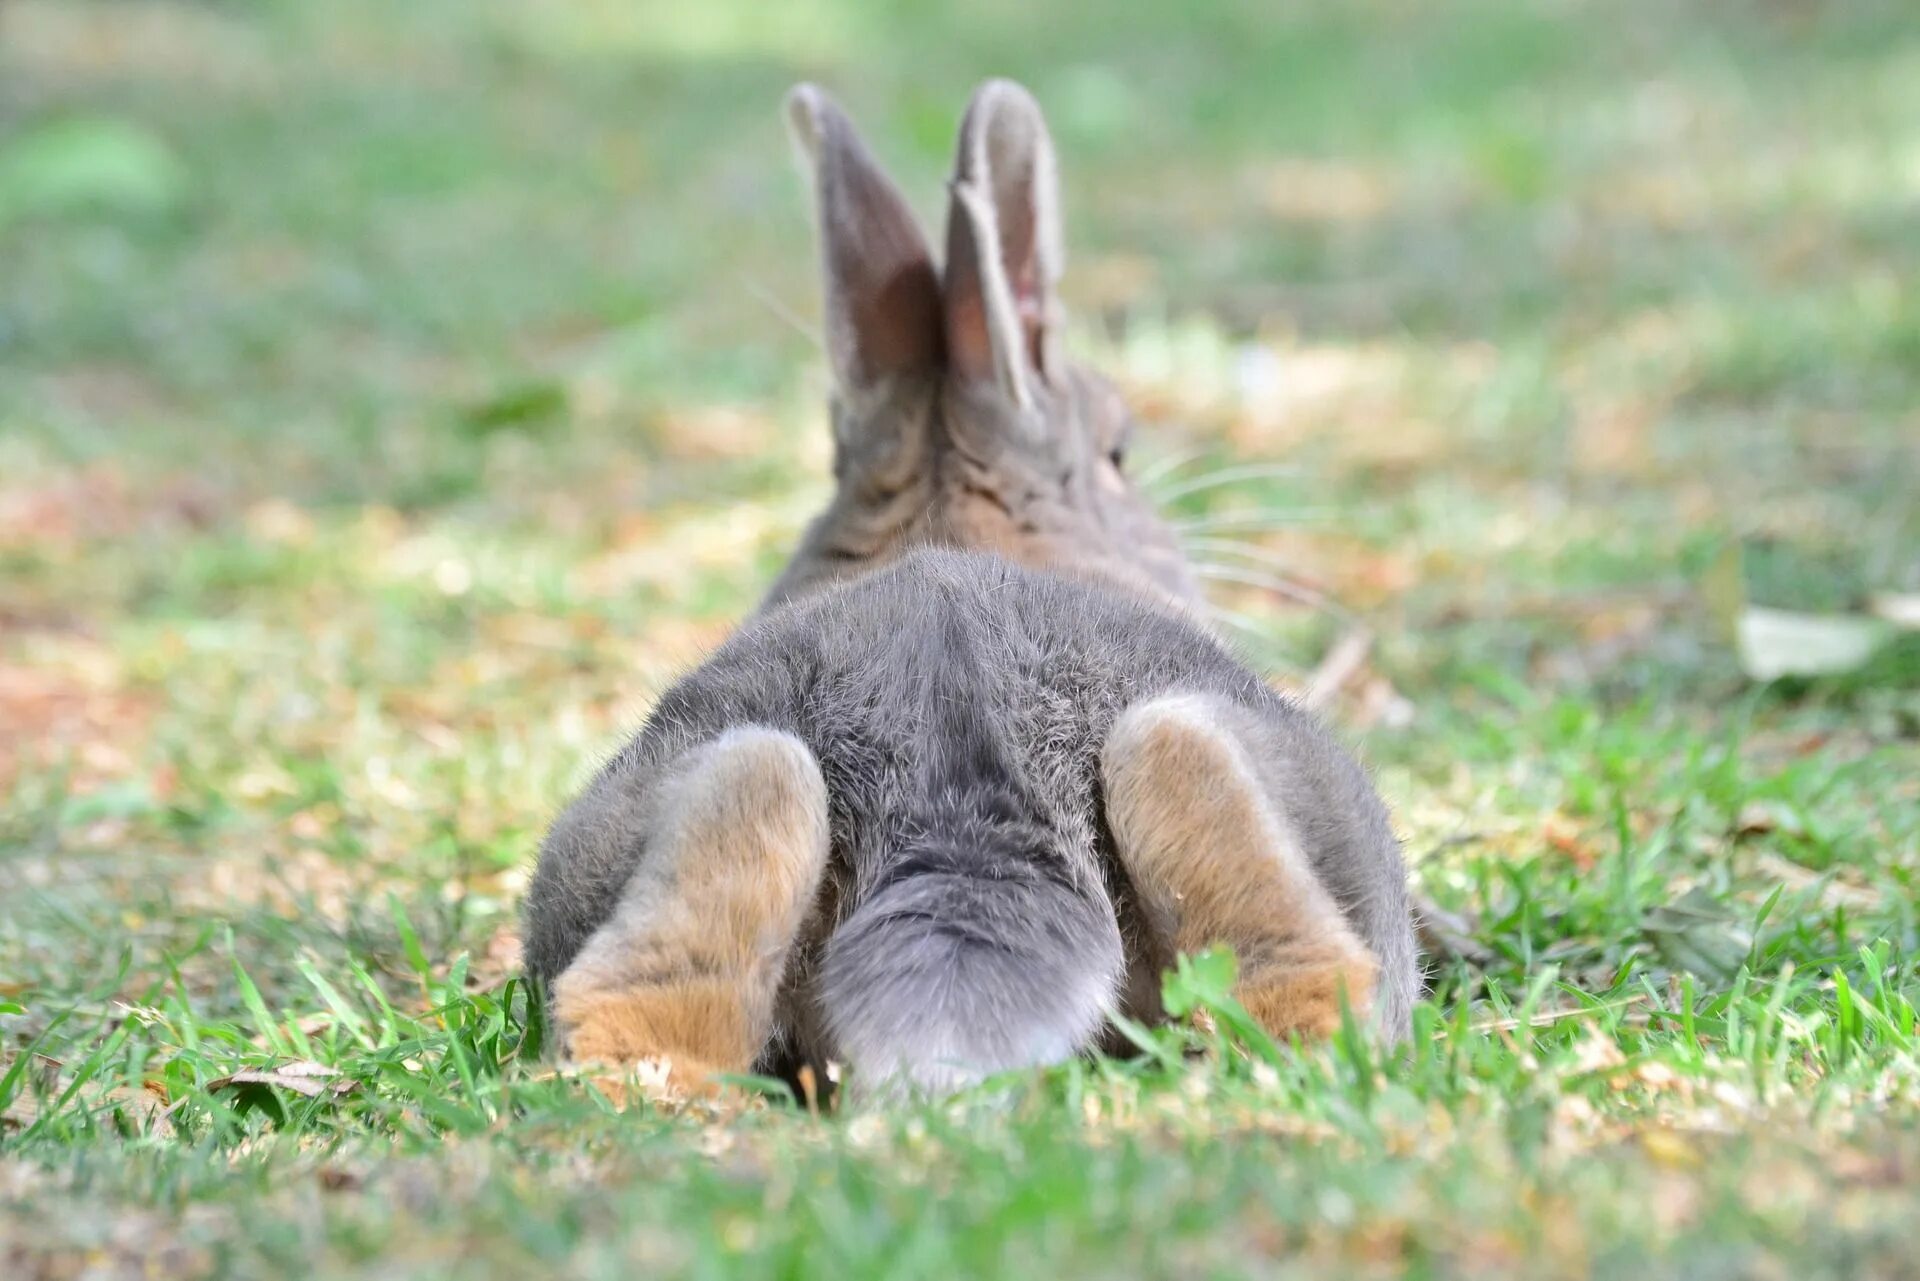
(1213, 859)
(687, 968)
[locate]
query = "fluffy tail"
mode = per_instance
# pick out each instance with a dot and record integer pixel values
(985, 948)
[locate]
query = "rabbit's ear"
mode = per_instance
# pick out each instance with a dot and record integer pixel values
(883, 296)
(1004, 252)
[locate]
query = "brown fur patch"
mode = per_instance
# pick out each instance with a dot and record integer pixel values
(687, 968)
(699, 1029)
(1213, 860)
(1305, 997)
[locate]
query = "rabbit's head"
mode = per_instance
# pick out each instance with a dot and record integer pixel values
(957, 420)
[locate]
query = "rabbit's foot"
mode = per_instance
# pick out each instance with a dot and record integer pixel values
(669, 1023)
(1214, 860)
(1303, 992)
(687, 968)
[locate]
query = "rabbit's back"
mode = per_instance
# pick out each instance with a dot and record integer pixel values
(954, 690)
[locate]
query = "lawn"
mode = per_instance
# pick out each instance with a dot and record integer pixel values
(393, 398)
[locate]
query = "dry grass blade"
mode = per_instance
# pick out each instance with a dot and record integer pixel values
(1341, 664)
(1549, 1018)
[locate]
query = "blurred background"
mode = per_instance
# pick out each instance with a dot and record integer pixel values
(392, 397)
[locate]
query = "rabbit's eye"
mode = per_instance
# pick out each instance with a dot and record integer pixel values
(1118, 457)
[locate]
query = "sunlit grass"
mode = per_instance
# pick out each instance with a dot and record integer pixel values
(394, 400)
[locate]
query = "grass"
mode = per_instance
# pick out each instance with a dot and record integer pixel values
(393, 399)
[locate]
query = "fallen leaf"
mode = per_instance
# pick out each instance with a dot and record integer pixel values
(1776, 642)
(1900, 609)
(309, 1079)
(1700, 935)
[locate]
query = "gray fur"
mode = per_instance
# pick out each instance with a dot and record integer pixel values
(957, 705)
(954, 641)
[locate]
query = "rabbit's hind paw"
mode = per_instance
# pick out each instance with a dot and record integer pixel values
(1215, 860)
(687, 968)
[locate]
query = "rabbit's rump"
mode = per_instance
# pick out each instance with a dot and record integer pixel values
(973, 912)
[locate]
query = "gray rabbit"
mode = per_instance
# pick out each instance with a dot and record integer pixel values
(974, 773)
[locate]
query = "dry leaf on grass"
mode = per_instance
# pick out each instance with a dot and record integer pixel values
(309, 1079)
(1778, 642)
(1900, 609)
(1772, 643)
(1700, 935)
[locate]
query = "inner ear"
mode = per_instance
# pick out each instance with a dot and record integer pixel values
(883, 300)
(1004, 253)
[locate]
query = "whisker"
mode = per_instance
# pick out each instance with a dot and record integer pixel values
(1278, 586)
(1239, 547)
(1225, 476)
(1161, 468)
(1245, 622)
(1265, 519)
(781, 312)
(1242, 548)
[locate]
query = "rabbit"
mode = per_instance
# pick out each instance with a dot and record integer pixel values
(976, 770)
